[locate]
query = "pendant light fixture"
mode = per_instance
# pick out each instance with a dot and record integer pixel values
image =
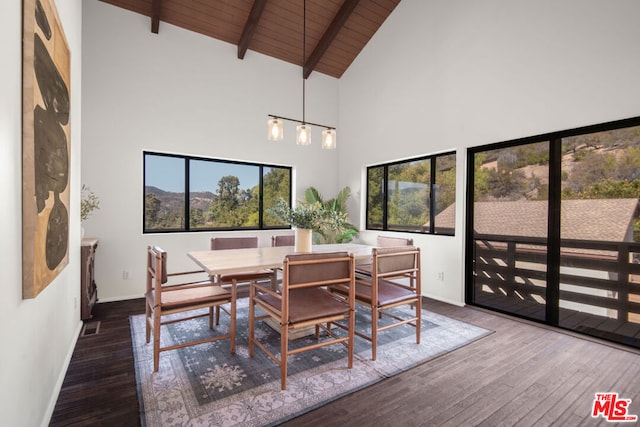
(275, 129)
(275, 126)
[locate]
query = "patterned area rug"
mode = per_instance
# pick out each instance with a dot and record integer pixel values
(205, 385)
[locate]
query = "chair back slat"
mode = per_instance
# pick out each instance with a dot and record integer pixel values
(316, 269)
(396, 259)
(286, 240)
(233, 242)
(157, 263)
(388, 242)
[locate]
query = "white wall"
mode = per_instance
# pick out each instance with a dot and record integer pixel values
(181, 92)
(37, 335)
(443, 75)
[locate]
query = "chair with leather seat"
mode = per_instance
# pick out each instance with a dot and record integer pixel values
(162, 299)
(394, 282)
(304, 302)
(219, 243)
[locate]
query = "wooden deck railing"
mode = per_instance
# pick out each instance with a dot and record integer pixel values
(602, 274)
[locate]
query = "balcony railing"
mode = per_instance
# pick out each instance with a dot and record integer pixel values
(599, 280)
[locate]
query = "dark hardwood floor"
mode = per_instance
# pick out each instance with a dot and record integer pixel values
(523, 374)
(100, 385)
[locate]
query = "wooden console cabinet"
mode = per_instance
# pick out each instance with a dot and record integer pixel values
(88, 288)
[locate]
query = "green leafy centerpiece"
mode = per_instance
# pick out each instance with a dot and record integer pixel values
(308, 218)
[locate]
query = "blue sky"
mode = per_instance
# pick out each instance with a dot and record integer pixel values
(167, 173)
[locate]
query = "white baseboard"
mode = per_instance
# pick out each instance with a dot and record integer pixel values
(63, 373)
(445, 300)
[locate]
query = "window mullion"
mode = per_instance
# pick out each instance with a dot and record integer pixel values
(553, 233)
(385, 196)
(432, 201)
(187, 189)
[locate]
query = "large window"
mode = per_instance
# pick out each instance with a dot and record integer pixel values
(183, 193)
(415, 195)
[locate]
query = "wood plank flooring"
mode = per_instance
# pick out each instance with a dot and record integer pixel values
(523, 374)
(100, 386)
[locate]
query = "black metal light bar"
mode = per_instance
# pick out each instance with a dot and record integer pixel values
(301, 121)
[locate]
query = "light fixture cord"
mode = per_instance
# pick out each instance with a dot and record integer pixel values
(304, 56)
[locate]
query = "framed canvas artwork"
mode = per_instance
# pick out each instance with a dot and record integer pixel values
(45, 146)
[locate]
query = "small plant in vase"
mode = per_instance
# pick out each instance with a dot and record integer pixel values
(89, 202)
(343, 232)
(307, 218)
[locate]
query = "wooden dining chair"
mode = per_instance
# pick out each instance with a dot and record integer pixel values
(395, 282)
(219, 243)
(383, 242)
(162, 299)
(304, 301)
(283, 240)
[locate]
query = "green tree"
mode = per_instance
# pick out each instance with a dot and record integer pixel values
(446, 189)
(608, 188)
(375, 178)
(409, 193)
(481, 177)
(196, 217)
(229, 191)
(276, 183)
(628, 165)
(507, 184)
(152, 207)
(225, 212)
(594, 167)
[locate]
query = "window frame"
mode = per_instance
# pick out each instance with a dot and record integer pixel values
(186, 206)
(385, 194)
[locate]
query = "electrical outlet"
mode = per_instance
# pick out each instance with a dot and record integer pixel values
(125, 275)
(441, 276)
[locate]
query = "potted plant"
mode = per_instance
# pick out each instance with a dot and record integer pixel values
(344, 232)
(307, 218)
(89, 202)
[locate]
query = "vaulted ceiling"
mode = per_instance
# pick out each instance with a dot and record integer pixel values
(336, 30)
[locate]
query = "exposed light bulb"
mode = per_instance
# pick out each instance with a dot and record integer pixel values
(275, 130)
(329, 139)
(303, 135)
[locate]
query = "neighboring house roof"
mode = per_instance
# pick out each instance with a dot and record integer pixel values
(589, 219)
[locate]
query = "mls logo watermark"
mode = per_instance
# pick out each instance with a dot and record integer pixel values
(612, 408)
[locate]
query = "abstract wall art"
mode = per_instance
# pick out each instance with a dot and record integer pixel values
(45, 146)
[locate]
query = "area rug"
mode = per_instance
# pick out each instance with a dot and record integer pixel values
(205, 385)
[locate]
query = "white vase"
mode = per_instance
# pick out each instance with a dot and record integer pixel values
(304, 238)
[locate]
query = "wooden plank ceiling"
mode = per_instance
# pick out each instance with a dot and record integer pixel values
(336, 30)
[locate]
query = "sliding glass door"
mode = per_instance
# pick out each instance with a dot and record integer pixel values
(510, 212)
(553, 229)
(599, 281)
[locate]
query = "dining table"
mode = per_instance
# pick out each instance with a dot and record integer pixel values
(231, 261)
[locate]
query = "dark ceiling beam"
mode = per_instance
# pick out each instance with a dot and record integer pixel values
(327, 38)
(155, 16)
(250, 27)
